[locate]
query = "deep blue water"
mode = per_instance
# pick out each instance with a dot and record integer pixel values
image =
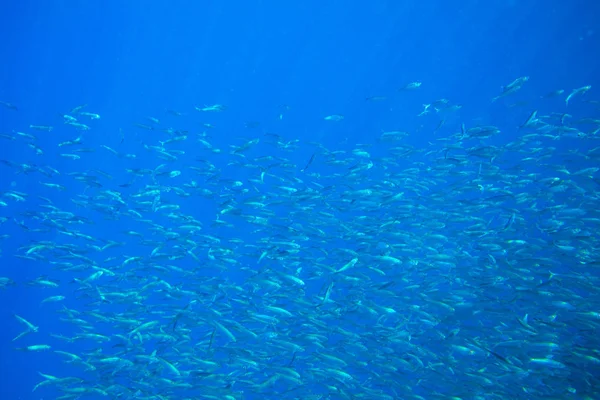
(262, 59)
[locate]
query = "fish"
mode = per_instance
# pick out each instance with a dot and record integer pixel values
(575, 92)
(334, 117)
(214, 107)
(512, 87)
(452, 256)
(8, 105)
(411, 86)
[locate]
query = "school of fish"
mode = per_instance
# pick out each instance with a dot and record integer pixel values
(464, 269)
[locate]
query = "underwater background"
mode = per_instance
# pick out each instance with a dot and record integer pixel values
(299, 200)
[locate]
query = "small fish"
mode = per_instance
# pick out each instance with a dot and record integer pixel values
(309, 162)
(509, 222)
(547, 362)
(349, 264)
(42, 128)
(531, 121)
(10, 106)
(512, 87)
(78, 126)
(175, 113)
(90, 115)
(35, 347)
(70, 156)
(425, 110)
(31, 328)
(552, 94)
(215, 107)
(77, 109)
(53, 299)
(575, 92)
(376, 98)
(411, 86)
(69, 118)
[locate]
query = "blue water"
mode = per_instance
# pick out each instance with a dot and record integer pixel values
(285, 65)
